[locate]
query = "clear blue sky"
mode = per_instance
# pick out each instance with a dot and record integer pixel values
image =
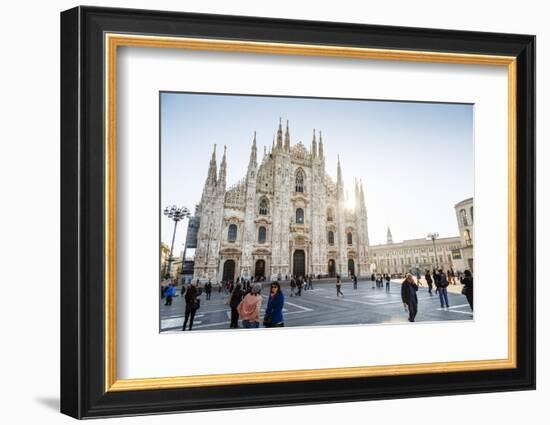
(415, 159)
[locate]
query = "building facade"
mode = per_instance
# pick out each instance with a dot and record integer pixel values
(465, 218)
(164, 255)
(424, 254)
(416, 254)
(286, 216)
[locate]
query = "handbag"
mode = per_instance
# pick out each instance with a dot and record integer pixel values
(464, 290)
(268, 319)
(197, 304)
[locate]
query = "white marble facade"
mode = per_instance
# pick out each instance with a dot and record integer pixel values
(286, 216)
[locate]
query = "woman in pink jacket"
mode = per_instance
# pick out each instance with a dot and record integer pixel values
(249, 308)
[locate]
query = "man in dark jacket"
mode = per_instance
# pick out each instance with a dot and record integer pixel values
(468, 290)
(429, 281)
(208, 289)
(192, 304)
(234, 301)
(442, 283)
(408, 296)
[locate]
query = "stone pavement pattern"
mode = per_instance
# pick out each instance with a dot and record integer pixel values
(321, 307)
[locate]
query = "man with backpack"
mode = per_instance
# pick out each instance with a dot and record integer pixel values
(442, 283)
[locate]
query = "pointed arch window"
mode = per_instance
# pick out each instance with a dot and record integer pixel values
(463, 217)
(264, 207)
(331, 237)
(262, 234)
(300, 181)
(232, 233)
(299, 216)
(350, 238)
(467, 237)
(472, 213)
(330, 214)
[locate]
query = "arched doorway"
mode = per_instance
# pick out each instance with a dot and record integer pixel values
(259, 269)
(299, 263)
(331, 268)
(228, 270)
(351, 267)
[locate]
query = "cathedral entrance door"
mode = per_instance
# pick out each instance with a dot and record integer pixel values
(299, 263)
(351, 267)
(331, 268)
(228, 270)
(259, 270)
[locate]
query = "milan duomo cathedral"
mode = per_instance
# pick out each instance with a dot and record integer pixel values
(286, 217)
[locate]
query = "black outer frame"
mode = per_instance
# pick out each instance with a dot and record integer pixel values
(82, 212)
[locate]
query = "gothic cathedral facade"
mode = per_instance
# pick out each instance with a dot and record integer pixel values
(286, 217)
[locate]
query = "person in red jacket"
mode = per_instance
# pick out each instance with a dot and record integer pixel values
(249, 308)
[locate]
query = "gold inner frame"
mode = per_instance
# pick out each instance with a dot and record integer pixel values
(113, 41)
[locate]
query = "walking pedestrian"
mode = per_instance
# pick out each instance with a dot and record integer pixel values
(169, 293)
(388, 280)
(310, 282)
(300, 284)
(249, 308)
(354, 281)
(468, 289)
(409, 297)
(372, 279)
(292, 286)
(429, 281)
(208, 289)
(435, 278)
(274, 311)
(442, 284)
(234, 301)
(338, 286)
(192, 304)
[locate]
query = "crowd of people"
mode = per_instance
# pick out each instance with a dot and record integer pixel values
(378, 279)
(441, 280)
(297, 283)
(245, 300)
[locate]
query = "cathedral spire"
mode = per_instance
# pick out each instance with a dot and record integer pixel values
(321, 145)
(253, 154)
(362, 194)
(314, 146)
(223, 171)
(357, 195)
(339, 181)
(280, 136)
(287, 138)
(211, 179)
(389, 238)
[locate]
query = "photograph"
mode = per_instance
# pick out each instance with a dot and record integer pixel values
(280, 211)
(267, 210)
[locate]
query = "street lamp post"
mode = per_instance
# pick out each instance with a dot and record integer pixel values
(433, 237)
(176, 214)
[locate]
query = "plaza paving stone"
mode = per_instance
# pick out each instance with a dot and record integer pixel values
(321, 307)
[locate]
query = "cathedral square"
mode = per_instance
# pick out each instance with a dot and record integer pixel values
(284, 218)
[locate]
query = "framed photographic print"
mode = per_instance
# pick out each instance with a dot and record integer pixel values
(261, 212)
